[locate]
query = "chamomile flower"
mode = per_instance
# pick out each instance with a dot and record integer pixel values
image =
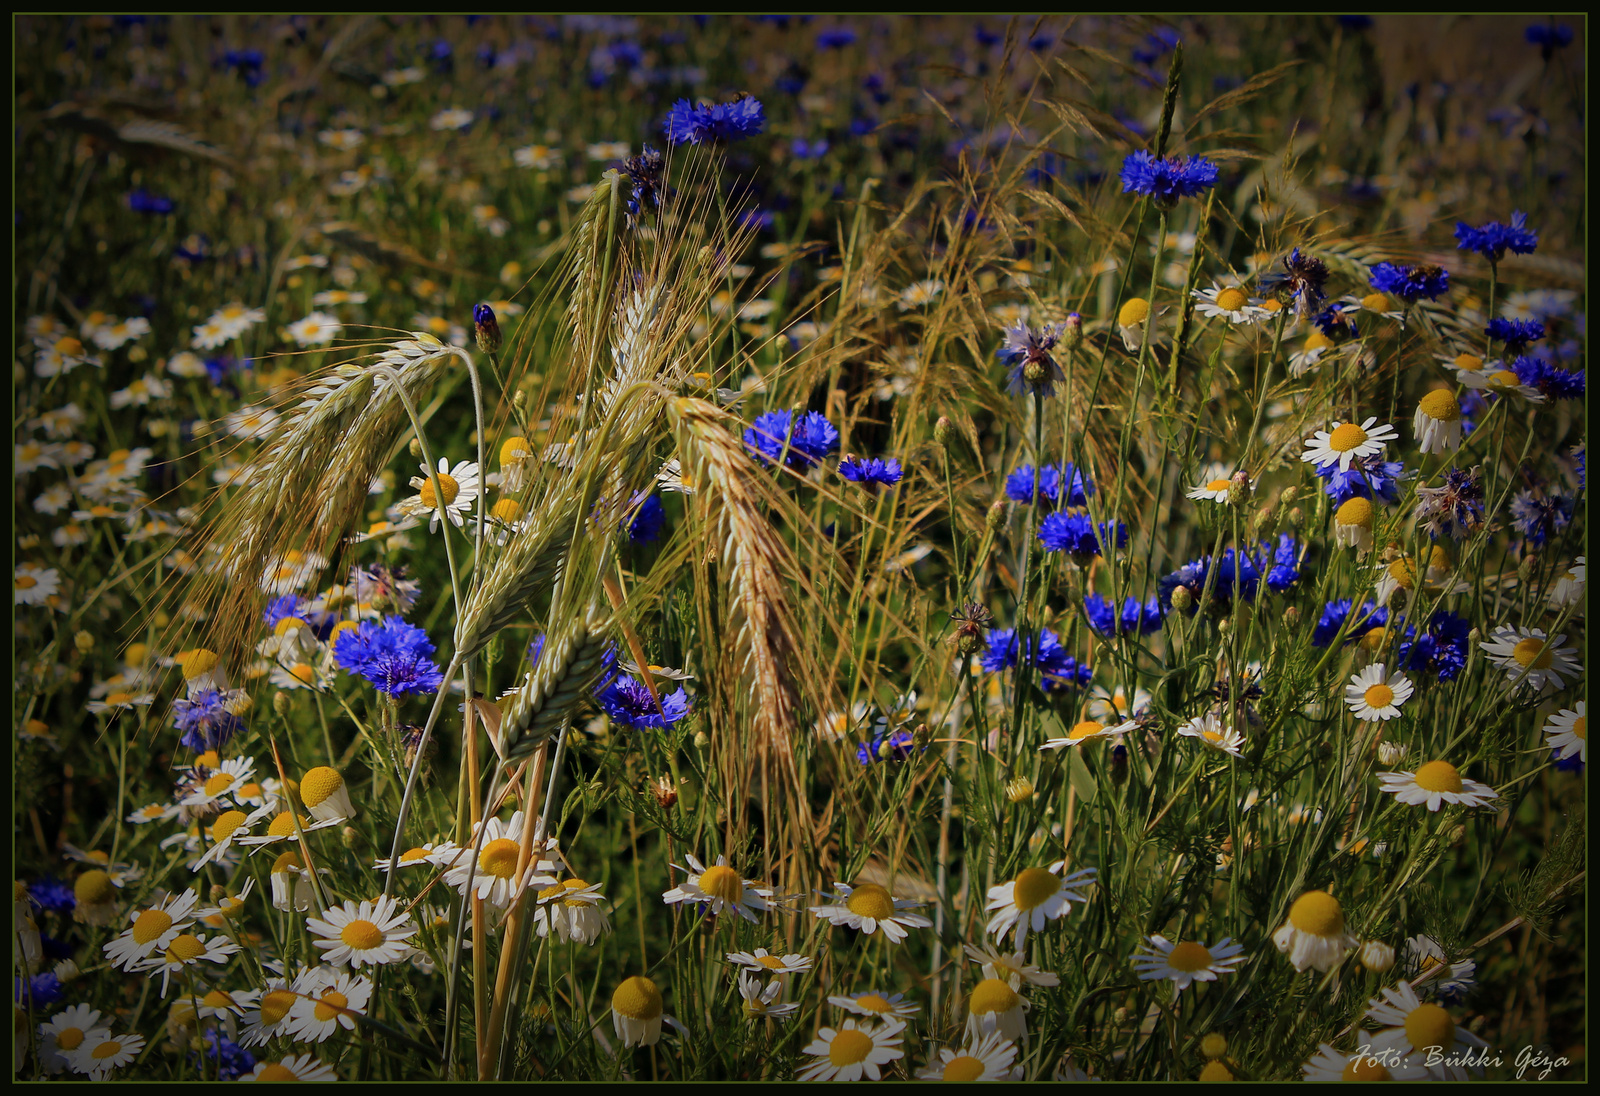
(220, 1004)
(918, 294)
(868, 907)
(1495, 377)
(1436, 783)
(853, 1050)
(762, 1001)
(268, 1017)
(1085, 730)
(1567, 733)
(325, 794)
(1314, 935)
(226, 779)
(720, 887)
(100, 1055)
(1229, 302)
(1111, 706)
(459, 485)
(185, 952)
(1374, 695)
(988, 1059)
(1568, 590)
(1531, 659)
(251, 422)
(1187, 961)
(154, 812)
(573, 910)
(1338, 1065)
(66, 1031)
(1310, 354)
(152, 930)
(295, 1067)
(1034, 897)
(493, 877)
(1131, 320)
(994, 1007)
(1413, 1028)
(1379, 304)
(1352, 523)
(291, 889)
(227, 906)
(371, 933)
(120, 700)
(34, 585)
(1346, 441)
(439, 854)
(1423, 953)
(875, 1004)
(1210, 729)
(1215, 483)
(316, 329)
(838, 726)
(637, 1012)
(333, 1004)
(763, 961)
(1010, 967)
(225, 829)
(1437, 422)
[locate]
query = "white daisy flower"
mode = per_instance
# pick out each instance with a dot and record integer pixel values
(1493, 377)
(336, 1001)
(1423, 953)
(1437, 422)
(1209, 729)
(1187, 961)
(220, 1004)
(994, 1007)
(269, 1015)
(296, 1067)
(536, 157)
(763, 961)
(1380, 304)
(853, 1050)
(1338, 1065)
(325, 794)
(98, 1056)
(1034, 897)
(720, 887)
(493, 878)
(1131, 320)
(227, 907)
(1376, 956)
(451, 118)
(1531, 659)
(1215, 483)
(34, 585)
(291, 889)
(1371, 696)
(1436, 783)
(225, 829)
(316, 329)
(1110, 706)
(1310, 354)
(186, 363)
(875, 1004)
(868, 907)
(762, 1001)
(460, 487)
(573, 910)
(989, 1059)
(439, 854)
(227, 778)
(66, 1031)
(1314, 934)
(918, 294)
(152, 930)
(1567, 733)
(1352, 523)
(154, 812)
(1229, 302)
(120, 700)
(184, 952)
(637, 1012)
(838, 726)
(250, 422)
(1414, 1028)
(1086, 730)
(1346, 441)
(1010, 967)
(1568, 590)
(371, 933)
(342, 140)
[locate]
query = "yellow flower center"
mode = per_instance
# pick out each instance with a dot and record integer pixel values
(217, 999)
(1346, 437)
(1468, 361)
(108, 1049)
(361, 935)
(302, 671)
(637, 998)
(1377, 302)
(1439, 559)
(499, 858)
(507, 510)
(849, 1047)
(289, 861)
(207, 760)
(1272, 305)
(276, 1071)
(1430, 1026)
(1216, 1072)
(1580, 727)
(287, 625)
(1363, 1068)
(276, 1005)
(196, 662)
(25, 582)
(1033, 888)
(1317, 913)
(870, 900)
(1404, 572)
(1504, 378)
(412, 855)
(1084, 730)
(446, 484)
(1438, 776)
(283, 825)
(771, 962)
(185, 949)
(1356, 511)
(514, 449)
(341, 628)
(1440, 404)
(217, 783)
(1189, 956)
(992, 995)
(1533, 654)
(1317, 341)
(964, 1068)
(1378, 696)
(1231, 300)
(150, 925)
(1219, 485)
(94, 888)
(225, 825)
(69, 1039)
(318, 784)
(249, 791)
(1134, 311)
(330, 1006)
(722, 882)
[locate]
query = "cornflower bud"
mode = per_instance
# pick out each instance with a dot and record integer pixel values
(1527, 569)
(701, 740)
(941, 431)
(1291, 616)
(1288, 495)
(1296, 517)
(996, 518)
(281, 703)
(486, 327)
(1182, 599)
(1072, 331)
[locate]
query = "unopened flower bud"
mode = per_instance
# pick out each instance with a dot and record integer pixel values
(415, 449)
(1120, 1016)
(218, 892)
(350, 838)
(486, 327)
(65, 971)
(1295, 518)
(1214, 1045)
(1291, 616)
(1019, 790)
(1182, 599)
(520, 400)
(1119, 764)
(1072, 331)
(921, 736)
(996, 518)
(1527, 569)
(1288, 495)
(1376, 956)
(84, 642)
(281, 703)
(1035, 372)
(1390, 754)
(941, 431)
(701, 740)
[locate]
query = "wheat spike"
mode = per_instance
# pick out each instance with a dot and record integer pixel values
(568, 668)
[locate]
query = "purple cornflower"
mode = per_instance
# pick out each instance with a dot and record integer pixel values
(205, 720)
(394, 657)
(1538, 516)
(1027, 352)
(840, 37)
(646, 521)
(801, 149)
(808, 440)
(1165, 181)
(1335, 613)
(39, 993)
(627, 702)
(1552, 381)
(486, 328)
(1410, 283)
(53, 895)
(1134, 619)
(1441, 649)
(1549, 37)
(645, 175)
(1057, 670)
(1494, 239)
(1454, 509)
(142, 201)
(282, 608)
(885, 746)
(1073, 531)
(1516, 334)
(1367, 477)
(1024, 483)
(225, 1059)
(872, 472)
(688, 123)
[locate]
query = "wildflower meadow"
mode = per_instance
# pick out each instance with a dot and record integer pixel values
(786, 548)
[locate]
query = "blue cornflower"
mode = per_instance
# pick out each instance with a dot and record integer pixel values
(646, 522)
(142, 201)
(835, 38)
(392, 656)
(1371, 615)
(1410, 283)
(810, 439)
(41, 992)
(885, 746)
(282, 608)
(1454, 509)
(1027, 352)
(205, 720)
(1538, 516)
(1022, 484)
(1552, 381)
(1166, 180)
(53, 895)
(688, 123)
(1516, 334)
(801, 149)
(1494, 239)
(1578, 455)
(1155, 46)
(1549, 37)
(1285, 569)
(224, 1058)
(535, 649)
(872, 472)
(485, 328)
(1134, 618)
(1057, 670)
(1441, 649)
(1302, 279)
(627, 702)
(645, 175)
(1573, 764)
(1337, 321)
(1367, 478)
(1073, 531)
